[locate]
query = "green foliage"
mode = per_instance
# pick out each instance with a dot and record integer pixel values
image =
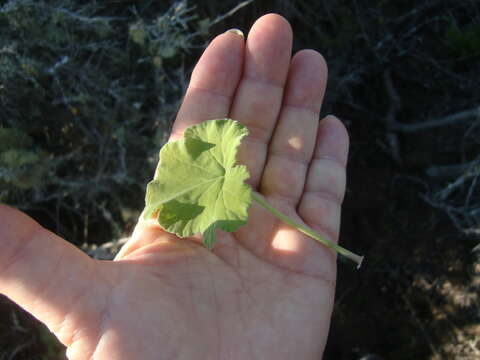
(197, 186)
(464, 42)
(157, 40)
(14, 139)
(22, 169)
(53, 349)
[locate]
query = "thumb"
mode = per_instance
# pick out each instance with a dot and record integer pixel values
(44, 274)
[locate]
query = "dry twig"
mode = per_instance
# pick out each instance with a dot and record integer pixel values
(395, 105)
(430, 124)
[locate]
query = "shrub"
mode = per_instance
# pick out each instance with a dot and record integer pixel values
(87, 92)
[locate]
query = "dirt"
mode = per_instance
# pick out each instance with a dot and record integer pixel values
(416, 296)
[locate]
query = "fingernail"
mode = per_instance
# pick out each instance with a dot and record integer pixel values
(236, 31)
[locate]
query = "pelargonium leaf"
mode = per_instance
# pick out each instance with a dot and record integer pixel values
(197, 187)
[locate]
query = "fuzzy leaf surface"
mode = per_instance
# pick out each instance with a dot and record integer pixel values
(198, 187)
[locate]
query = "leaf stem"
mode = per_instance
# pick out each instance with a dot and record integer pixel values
(307, 231)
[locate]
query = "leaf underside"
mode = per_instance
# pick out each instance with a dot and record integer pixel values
(197, 187)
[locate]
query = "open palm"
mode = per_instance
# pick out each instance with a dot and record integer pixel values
(264, 292)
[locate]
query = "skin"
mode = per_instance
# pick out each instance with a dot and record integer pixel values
(264, 292)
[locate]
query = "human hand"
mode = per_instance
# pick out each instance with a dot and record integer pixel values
(265, 291)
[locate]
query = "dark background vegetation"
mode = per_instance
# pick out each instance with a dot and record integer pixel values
(88, 90)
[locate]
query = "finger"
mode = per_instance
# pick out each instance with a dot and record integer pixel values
(320, 205)
(146, 232)
(294, 139)
(213, 82)
(259, 95)
(46, 275)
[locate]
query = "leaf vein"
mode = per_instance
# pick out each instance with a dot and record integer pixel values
(191, 188)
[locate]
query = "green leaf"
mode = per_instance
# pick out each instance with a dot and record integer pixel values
(197, 187)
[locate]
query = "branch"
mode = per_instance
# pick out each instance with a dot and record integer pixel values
(447, 120)
(231, 12)
(423, 329)
(395, 105)
(449, 171)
